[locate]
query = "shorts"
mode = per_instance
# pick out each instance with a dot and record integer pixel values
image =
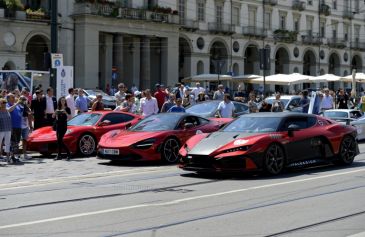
(25, 133)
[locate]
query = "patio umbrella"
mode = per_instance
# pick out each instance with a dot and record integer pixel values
(207, 77)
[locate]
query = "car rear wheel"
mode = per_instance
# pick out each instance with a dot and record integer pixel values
(274, 159)
(347, 151)
(170, 150)
(87, 145)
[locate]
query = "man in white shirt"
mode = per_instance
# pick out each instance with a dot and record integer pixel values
(71, 101)
(51, 105)
(197, 90)
(148, 104)
(327, 100)
(226, 107)
(120, 95)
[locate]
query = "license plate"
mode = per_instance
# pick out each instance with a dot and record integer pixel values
(111, 151)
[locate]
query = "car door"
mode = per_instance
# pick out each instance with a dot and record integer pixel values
(185, 133)
(301, 145)
(117, 121)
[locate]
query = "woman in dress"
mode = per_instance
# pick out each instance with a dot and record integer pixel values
(62, 114)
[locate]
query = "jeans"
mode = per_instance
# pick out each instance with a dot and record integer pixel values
(6, 136)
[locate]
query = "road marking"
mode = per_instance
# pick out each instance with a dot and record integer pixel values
(35, 183)
(177, 201)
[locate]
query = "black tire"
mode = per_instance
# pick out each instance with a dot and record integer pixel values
(86, 145)
(170, 150)
(347, 151)
(274, 159)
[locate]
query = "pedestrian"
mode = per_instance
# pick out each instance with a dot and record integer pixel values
(277, 104)
(177, 108)
(197, 90)
(82, 102)
(98, 103)
(219, 94)
(5, 130)
(148, 104)
(61, 116)
(226, 107)
(179, 93)
(26, 124)
(134, 88)
(38, 107)
(201, 97)
(327, 100)
(304, 102)
(169, 103)
(16, 123)
(51, 105)
(342, 99)
(252, 105)
(188, 98)
(120, 95)
(137, 101)
(160, 96)
(70, 99)
(265, 107)
(128, 105)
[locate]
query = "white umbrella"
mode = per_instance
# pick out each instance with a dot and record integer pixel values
(207, 77)
(245, 77)
(283, 79)
(325, 78)
(359, 77)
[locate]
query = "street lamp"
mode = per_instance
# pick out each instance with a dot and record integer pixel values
(218, 64)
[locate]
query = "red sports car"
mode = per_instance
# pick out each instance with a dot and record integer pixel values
(156, 137)
(83, 133)
(270, 142)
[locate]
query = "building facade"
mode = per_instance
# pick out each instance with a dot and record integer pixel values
(161, 41)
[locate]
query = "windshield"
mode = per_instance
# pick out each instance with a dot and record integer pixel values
(335, 114)
(285, 101)
(158, 122)
(203, 108)
(84, 120)
(96, 92)
(253, 125)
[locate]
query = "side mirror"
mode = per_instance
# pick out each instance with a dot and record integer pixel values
(128, 125)
(292, 128)
(104, 123)
(188, 125)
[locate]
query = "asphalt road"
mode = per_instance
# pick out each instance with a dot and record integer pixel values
(89, 197)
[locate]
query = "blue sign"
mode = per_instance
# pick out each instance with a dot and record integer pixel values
(57, 62)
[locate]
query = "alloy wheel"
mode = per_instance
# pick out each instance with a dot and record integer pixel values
(274, 159)
(87, 145)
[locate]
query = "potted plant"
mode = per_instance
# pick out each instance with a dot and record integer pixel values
(12, 6)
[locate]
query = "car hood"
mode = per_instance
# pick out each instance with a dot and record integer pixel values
(218, 140)
(123, 138)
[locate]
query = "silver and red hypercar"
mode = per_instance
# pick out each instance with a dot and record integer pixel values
(270, 142)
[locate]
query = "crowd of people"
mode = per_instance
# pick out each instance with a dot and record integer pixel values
(21, 112)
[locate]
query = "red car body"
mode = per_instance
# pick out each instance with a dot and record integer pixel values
(133, 144)
(44, 140)
(274, 141)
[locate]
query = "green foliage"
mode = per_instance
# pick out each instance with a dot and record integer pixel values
(14, 4)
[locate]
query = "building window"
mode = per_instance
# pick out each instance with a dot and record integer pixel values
(310, 21)
(346, 31)
(334, 34)
(236, 16)
(323, 29)
(201, 10)
(219, 14)
(200, 68)
(182, 7)
(267, 21)
(282, 22)
(310, 2)
(252, 17)
(334, 4)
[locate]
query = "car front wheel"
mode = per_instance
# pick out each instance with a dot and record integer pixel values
(87, 145)
(274, 159)
(170, 150)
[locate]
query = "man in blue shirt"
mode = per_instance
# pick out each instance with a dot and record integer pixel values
(82, 102)
(16, 114)
(304, 102)
(178, 107)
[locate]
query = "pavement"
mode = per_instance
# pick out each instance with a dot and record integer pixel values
(90, 197)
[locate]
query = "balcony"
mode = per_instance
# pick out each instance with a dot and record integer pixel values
(336, 43)
(190, 25)
(357, 45)
(271, 2)
(216, 28)
(111, 10)
(253, 31)
(298, 5)
(286, 36)
(311, 40)
(347, 14)
(325, 10)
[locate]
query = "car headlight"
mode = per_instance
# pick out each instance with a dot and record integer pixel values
(145, 144)
(241, 148)
(68, 131)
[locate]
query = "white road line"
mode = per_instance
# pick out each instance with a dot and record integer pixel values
(43, 182)
(177, 201)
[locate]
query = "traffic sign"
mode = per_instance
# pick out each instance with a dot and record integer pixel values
(57, 60)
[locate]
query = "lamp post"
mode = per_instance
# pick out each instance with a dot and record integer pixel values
(54, 41)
